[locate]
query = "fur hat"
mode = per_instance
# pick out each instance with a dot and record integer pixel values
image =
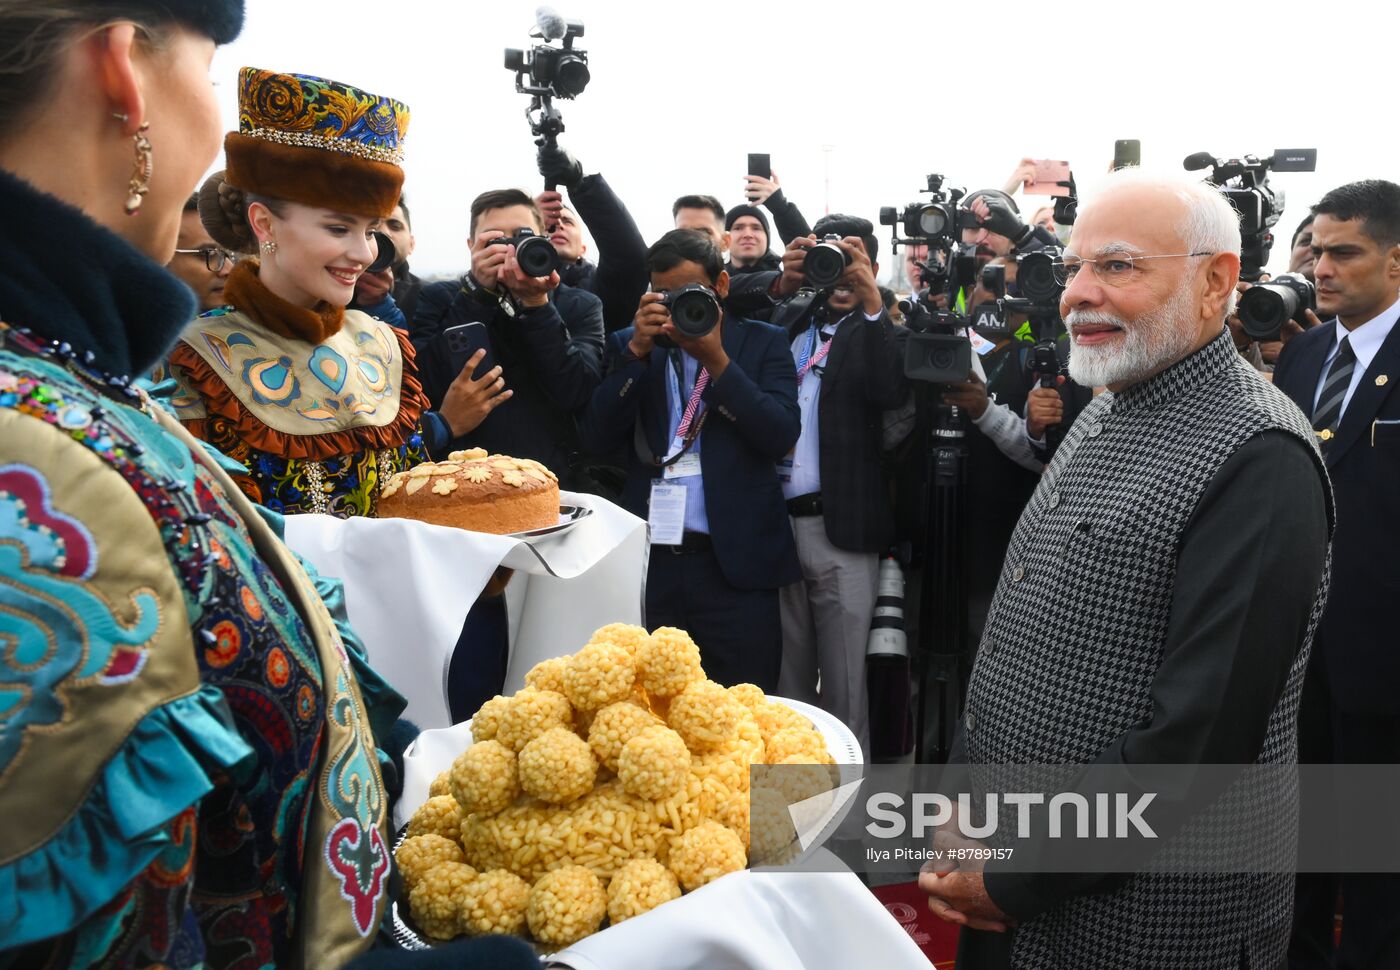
(306, 139)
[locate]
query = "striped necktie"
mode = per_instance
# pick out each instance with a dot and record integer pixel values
(1328, 412)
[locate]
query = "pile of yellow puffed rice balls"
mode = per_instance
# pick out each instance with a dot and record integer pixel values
(617, 778)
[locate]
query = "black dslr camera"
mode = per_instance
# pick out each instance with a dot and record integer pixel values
(545, 73)
(535, 254)
(826, 262)
(1265, 307)
(695, 311)
(1245, 184)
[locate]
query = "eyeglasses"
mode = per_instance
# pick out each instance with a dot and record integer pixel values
(1111, 270)
(214, 259)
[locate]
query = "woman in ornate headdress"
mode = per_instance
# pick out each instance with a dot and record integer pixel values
(321, 404)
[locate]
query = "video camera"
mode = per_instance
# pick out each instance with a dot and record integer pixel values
(545, 73)
(1038, 297)
(936, 352)
(1037, 292)
(937, 222)
(1245, 184)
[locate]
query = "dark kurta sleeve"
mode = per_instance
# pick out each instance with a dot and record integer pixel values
(1248, 571)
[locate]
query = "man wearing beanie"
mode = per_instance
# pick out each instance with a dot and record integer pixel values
(747, 226)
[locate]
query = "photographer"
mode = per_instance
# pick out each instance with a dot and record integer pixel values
(1002, 231)
(1264, 354)
(546, 338)
(850, 368)
(619, 277)
(705, 418)
(1002, 371)
(391, 294)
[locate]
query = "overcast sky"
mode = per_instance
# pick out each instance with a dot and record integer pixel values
(856, 103)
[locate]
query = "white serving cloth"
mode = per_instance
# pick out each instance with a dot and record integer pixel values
(408, 587)
(757, 921)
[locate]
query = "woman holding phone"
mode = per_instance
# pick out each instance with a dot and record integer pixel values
(320, 404)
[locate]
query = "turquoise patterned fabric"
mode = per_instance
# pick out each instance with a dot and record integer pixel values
(127, 882)
(163, 768)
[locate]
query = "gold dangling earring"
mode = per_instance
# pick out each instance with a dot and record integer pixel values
(140, 182)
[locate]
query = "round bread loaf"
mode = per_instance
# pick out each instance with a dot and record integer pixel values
(475, 491)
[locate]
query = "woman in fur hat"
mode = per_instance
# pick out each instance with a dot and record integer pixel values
(320, 404)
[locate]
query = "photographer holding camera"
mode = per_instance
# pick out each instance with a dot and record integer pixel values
(619, 278)
(706, 403)
(511, 311)
(1002, 231)
(849, 357)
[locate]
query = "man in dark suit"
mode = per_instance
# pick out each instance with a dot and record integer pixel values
(1343, 376)
(705, 421)
(542, 343)
(850, 367)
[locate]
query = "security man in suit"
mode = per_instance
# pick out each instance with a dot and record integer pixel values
(1343, 376)
(706, 421)
(850, 367)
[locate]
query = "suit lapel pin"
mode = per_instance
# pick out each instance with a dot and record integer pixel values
(1382, 380)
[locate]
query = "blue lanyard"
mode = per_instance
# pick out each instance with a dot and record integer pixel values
(809, 349)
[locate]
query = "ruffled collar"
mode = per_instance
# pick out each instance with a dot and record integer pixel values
(247, 293)
(67, 278)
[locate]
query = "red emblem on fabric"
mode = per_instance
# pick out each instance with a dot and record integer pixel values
(360, 861)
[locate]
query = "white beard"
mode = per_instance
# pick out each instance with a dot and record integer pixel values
(1150, 343)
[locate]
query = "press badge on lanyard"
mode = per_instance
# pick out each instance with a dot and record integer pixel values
(811, 360)
(666, 513)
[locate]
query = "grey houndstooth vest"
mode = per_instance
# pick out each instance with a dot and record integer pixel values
(1075, 636)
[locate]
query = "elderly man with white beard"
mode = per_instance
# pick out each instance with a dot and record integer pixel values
(1158, 598)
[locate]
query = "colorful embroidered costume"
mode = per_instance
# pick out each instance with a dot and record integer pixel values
(317, 425)
(187, 769)
(319, 404)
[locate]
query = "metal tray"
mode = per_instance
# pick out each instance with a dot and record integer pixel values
(569, 516)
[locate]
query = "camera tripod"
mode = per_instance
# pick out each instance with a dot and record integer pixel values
(942, 589)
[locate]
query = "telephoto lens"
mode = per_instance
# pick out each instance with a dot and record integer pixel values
(535, 254)
(1265, 307)
(826, 262)
(695, 311)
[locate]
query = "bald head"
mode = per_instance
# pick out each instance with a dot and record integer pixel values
(1165, 255)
